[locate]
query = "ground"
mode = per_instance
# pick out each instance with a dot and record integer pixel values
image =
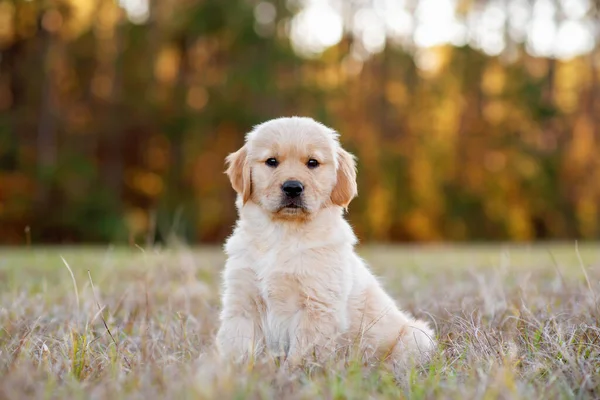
(512, 322)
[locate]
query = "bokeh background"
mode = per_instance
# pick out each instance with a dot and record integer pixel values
(472, 120)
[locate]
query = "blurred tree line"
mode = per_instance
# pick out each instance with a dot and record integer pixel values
(113, 129)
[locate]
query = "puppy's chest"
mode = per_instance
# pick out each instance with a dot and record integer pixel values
(289, 282)
(281, 279)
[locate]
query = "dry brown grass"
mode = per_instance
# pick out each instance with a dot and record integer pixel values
(514, 322)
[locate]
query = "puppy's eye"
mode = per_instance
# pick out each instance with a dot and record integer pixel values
(312, 163)
(272, 162)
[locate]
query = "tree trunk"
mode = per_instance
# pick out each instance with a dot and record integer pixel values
(46, 130)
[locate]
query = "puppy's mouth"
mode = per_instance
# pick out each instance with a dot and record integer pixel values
(292, 205)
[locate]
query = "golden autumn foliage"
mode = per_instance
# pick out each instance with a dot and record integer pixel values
(107, 125)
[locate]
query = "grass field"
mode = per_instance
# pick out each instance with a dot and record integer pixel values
(512, 322)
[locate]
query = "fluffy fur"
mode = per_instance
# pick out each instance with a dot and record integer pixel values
(293, 283)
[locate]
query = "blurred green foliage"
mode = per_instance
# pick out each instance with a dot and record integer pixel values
(111, 130)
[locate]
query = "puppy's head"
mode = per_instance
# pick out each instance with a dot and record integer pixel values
(292, 168)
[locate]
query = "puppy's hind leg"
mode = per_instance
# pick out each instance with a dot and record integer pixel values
(414, 343)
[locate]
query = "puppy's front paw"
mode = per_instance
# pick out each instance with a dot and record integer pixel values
(237, 340)
(311, 346)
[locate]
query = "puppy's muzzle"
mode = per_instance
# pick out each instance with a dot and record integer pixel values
(292, 189)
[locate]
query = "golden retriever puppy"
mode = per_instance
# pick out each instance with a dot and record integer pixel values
(293, 284)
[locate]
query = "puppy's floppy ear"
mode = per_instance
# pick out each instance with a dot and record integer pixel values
(345, 188)
(238, 171)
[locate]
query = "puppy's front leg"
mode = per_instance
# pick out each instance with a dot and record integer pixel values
(239, 338)
(304, 319)
(314, 333)
(240, 335)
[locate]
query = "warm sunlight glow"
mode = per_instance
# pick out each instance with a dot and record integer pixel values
(548, 29)
(437, 24)
(573, 39)
(315, 28)
(370, 29)
(138, 11)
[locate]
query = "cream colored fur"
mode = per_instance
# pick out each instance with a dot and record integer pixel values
(293, 284)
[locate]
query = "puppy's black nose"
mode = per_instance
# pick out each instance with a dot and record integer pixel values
(292, 188)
